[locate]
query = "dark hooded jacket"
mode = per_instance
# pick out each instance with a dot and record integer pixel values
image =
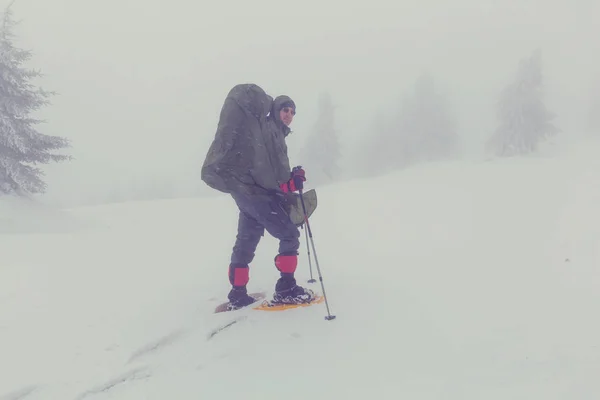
(248, 154)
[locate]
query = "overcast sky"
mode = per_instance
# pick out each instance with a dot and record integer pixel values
(141, 82)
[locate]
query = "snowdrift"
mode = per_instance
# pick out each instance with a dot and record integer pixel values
(19, 215)
(455, 280)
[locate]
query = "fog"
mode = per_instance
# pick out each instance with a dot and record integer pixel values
(141, 82)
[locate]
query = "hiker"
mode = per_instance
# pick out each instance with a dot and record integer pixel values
(248, 159)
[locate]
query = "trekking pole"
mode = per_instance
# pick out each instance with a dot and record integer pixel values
(329, 317)
(311, 280)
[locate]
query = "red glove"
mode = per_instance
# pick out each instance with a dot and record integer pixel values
(296, 181)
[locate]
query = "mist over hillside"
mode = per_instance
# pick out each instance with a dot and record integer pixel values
(140, 83)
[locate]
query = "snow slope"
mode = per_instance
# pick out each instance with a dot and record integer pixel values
(449, 281)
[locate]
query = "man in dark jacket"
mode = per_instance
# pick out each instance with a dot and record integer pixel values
(248, 159)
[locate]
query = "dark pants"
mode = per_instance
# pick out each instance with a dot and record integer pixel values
(258, 214)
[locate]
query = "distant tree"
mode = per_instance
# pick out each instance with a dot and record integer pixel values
(21, 145)
(321, 153)
(426, 128)
(524, 119)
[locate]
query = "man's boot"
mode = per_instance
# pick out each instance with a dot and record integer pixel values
(286, 289)
(238, 295)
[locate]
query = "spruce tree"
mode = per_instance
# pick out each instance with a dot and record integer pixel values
(524, 120)
(22, 147)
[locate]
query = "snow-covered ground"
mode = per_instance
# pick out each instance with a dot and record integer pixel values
(462, 280)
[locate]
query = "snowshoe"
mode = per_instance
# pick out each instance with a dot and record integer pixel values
(236, 305)
(294, 295)
(238, 298)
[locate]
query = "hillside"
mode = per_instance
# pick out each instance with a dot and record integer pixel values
(455, 280)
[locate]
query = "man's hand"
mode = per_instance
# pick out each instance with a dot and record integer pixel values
(298, 177)
(296, 181)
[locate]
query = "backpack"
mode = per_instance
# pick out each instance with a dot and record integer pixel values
(231, 156)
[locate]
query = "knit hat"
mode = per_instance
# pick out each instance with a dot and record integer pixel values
(282, 102)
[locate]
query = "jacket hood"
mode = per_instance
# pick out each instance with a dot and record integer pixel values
(278, 103)
(252, 98)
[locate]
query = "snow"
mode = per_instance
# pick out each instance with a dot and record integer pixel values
(454, 280)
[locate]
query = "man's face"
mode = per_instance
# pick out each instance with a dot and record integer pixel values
(287, 115)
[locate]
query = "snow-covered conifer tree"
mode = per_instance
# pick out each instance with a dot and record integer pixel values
(524, 120)
(21, 145)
